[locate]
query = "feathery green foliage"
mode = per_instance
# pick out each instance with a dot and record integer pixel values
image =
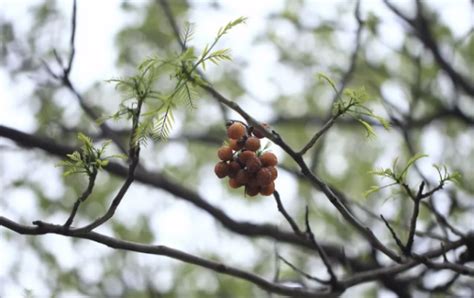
(352, 102)
(157, 120)
(89, 159)
(398, 176)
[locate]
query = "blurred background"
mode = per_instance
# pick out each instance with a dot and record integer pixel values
(276, 56)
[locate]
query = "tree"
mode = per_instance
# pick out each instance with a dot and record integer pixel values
(356, 119)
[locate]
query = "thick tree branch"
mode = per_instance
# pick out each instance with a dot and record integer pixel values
(169, 252)
(162, 182)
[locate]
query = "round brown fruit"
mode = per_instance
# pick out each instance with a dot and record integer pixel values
(253, 165)
(264, 176)
(245, 156)
(234, 168)
(252, 144)
(274, 172)
(233, 183)
(258, 132)
(268, 159)
(236, 145)
(225, 153)
(267, 190)
(252, 181)
(236, 130)
(252, 191)
(242, 177)
(221, 169)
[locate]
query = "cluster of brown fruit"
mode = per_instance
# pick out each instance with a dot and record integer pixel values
(243, 161)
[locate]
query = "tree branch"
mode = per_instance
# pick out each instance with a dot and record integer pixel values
(169, 252)
(421, 27)
(333, 278)
(288, 218)
(67, 70)
(82, 198)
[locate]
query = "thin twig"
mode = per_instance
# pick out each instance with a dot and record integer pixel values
(443, 221)
(282, 210)
(82, 198)
(342, 85)
(64, 79)
(394, 235)
(334, 281)
(276, 275)
(461, 269)
(304, 274)
(319, 134)
(133, 156)
(398, 268)
(414, 217)
(67, 70)
(421, 27)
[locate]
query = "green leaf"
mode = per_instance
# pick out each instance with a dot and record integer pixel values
(189, 54)
(230, 25)
(375, 188)
(382, 172)
(119, 156)
(188, 32)
(410, 162)
(219, 55)
(359, 95)
(455, 177)
(371, 190)
(368, 128)
(323, 77)
(162, 126)
(84, 139)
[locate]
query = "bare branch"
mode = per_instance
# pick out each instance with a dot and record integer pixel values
(319, 134)
(461, 269)
(160, 181)
(334, 281)
(82, 198)
(421, 27)
(133, 156)
(67, 70)
(342, 85)
(304, 274)
(398, 268)
(282, 210)
(394, 235)
(172, 253)
(414, 217)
